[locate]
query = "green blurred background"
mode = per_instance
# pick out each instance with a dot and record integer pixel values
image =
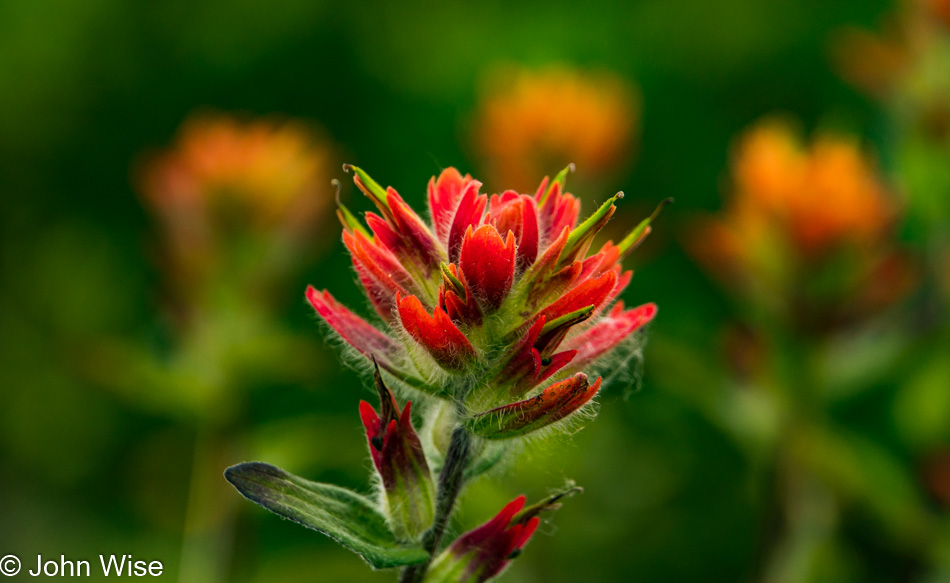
(673, 490)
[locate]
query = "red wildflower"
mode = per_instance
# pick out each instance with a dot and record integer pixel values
(436, 333)
(398, 456)
(484, 552)
(500, 289)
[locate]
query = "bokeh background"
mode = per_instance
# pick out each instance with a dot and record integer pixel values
(745, 448)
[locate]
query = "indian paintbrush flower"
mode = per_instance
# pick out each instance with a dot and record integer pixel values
(408, 490)
(528, 120)
(807, 226)
(484, 552)
(490, 313)
(913, 28)
(236, 199)
(903, 65)
(490, 300)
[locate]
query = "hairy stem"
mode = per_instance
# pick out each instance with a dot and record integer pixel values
(450, 483)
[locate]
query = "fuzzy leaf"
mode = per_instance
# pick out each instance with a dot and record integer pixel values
(345, 516)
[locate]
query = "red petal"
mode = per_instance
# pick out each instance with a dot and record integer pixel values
(555, 284)
(523, 362)
(444, 194)
(499, 524)
(456, 297)
(379, 271)
(372, 425)
(468, 214)
(384, 234)
(396, 451)
(518, 214)
(436, 333)
(544, 266)
(462, 311)
(370, 419)
(421, 242)
(530, 241)
(565, 214)
(555, 363)
(525, 534)
(623, 280)
(489, 546)
(591, 266)
(610, 255)
(357, 332)
(504, 212)
(488, 264)
(592, 292)
(558, 211)
(609, 332)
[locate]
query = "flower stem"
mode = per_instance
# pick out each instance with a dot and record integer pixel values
(209, 524)
(451, 479)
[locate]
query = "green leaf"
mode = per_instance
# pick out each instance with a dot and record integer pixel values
(345, 516)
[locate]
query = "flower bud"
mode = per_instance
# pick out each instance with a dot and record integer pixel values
(409, 492)
(490, 298)
(551, 405)
(483, 553)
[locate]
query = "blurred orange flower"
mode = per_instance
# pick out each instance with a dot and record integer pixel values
(270, 169)
(906, 62)
(797, 209)
(821, 196)
(529, 122)
(939, 9)
(229, 183)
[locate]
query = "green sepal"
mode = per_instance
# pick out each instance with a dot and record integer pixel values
(347, 218)
(345, 516)
(581, 237)
(560, 180)
(567, 320)
(551, 503)
(639, 233)
(370, 187)
(457, 286)
(553, 332)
